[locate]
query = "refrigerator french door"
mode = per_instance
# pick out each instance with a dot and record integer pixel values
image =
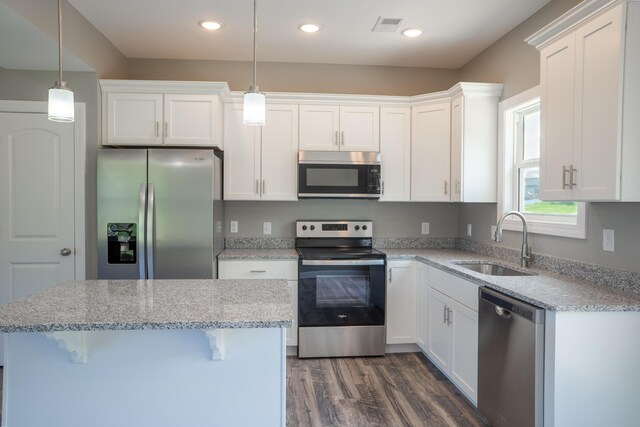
(159, 213)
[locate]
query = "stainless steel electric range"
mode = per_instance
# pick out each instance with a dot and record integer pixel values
(341, 290)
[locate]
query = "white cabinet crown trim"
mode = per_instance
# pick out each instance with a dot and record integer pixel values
(570, 20)
(164, 86)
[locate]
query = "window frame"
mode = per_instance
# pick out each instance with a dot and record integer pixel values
(507, 170)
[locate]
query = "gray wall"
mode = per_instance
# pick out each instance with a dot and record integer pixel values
(512, 61)
(34, 86)
(390, 219)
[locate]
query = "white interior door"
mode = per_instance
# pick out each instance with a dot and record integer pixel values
(37, 218)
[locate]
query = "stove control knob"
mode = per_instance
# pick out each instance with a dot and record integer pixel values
(357, 227)
(364, 227)
(313, 227)
(304, 228)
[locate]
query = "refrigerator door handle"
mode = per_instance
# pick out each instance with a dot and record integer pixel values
(142, 231)
(151, 235)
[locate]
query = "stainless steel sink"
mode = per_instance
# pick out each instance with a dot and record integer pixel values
(491, 269)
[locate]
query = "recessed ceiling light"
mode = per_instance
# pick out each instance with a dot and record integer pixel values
(309, 28)
(210, 25)
(411, 32)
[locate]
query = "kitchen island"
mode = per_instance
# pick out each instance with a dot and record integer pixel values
(147, 353)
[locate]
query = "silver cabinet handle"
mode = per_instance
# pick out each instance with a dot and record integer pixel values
(444, 314)
(382, 189)
(157, 129)
(65, 251)
(564, 177)
(258, 271)
(264, 186)
(572, 182)
(458, 185)
(166, 129)
(446, 187)
(257, 186)
(449, 316)
(390, 274)
(336, 138)
(342, 137)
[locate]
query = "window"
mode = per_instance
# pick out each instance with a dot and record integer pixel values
(520, 173)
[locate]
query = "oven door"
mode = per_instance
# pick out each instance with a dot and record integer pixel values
(341, 292)
(338, 181)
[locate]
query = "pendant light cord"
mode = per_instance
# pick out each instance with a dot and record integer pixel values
(60, 39)
(255, 30)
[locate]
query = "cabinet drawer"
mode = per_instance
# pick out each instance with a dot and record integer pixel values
(459, 289)
(258, 269)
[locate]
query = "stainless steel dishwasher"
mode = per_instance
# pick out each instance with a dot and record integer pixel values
(510, 360)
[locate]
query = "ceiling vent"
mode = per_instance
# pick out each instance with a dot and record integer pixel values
(387, 25)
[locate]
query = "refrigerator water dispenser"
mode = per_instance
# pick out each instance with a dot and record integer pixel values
(121, 243)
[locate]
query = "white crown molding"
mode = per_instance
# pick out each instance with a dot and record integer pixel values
(570, 20)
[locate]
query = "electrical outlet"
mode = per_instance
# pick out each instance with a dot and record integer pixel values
(469, 230)
(608, 240)
(425, 228)
(218, 226)
(234, 226)
(266, 228)
(493, 233)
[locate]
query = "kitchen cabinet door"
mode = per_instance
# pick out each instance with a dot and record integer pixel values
(401, 302)
(359, 129)
(292, 333)
(457, 119)
(319, 127)
(597, 142)
(430, 152)
(557, 72)
(423, 307)
(279, 171)
(134, 119)
(464, 348)
(439, 335)
(241, 156)
(190, 120)
(395, 151)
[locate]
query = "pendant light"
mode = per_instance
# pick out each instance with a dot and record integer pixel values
(60, 96)
(254, 100)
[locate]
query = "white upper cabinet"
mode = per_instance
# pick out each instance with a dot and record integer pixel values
(151, 113)
(474, 142)
(430, 157)
(395, 151)
(590, 103)
(339, 128)
(260, 161)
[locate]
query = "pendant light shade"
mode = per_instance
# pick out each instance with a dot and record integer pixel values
(254, 101)
(61, 108)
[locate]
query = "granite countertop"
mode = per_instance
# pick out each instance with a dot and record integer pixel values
(544, 289)
(268, 254)
(151, 304)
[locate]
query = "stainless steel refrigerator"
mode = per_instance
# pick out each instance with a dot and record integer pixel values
(160, 213)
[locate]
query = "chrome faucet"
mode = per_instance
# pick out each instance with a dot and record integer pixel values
(525, 256)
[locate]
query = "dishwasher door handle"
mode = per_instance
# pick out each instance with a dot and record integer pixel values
(502, 312)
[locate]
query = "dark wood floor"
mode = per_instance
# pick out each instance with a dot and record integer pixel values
(395, 390)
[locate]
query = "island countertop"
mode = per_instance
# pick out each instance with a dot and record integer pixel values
(151, 304)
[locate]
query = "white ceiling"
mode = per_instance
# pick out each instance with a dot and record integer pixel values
(454, 30)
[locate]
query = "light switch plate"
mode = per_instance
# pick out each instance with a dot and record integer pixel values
(234, 226)
(608, 240)
(425, 228)
(469, 230)
(266, 227)
(493, 233)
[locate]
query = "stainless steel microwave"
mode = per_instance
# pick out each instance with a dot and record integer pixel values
(338, 174)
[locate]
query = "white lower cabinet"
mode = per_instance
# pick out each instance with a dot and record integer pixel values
(452, 329)
(422, 328)
(267, 269)
(401, 302)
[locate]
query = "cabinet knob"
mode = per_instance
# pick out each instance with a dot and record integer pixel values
(65, 251)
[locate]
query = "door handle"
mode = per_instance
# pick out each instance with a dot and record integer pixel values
(258, 271)
(342, 137)
(257, 186)
(564, 176)
(502, 312)
(264, 186)
(449, 316)
(446, 187)
(336, 138)
(157, 129)
(444, 314)
(142, 232)
(390, 275)
(166, 129)
(65, 251)
(151, 235)
(382, 192)
(572, 182)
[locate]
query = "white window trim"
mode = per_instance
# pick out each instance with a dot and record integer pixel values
(505, 174)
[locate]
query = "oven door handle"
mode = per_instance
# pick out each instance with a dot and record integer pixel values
(343, 262)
